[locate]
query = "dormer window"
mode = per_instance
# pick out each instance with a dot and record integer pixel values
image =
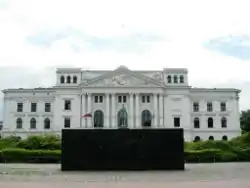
(62, 79)
(74, 79)
(175, 79)
(68, 79)
(181, 79)
(169, 78)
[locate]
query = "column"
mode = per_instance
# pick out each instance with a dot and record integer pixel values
(165, 119)
(131, 110)
(113, 116)
(137, 107)
(155, 111)
(89, 119)
(107, 124)
(161, 102)
(83, 110)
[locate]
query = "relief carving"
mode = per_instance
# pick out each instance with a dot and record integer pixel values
(119, 80)
(158, 76)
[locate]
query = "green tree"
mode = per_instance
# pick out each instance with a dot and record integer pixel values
(245, 121)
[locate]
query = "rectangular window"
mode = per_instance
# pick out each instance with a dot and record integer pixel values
(19, 107)
(176, 122)
(209, 107)
(196, 107)
(67, 105)
(122, 99)
(145, 99)
(119, 99)
(223, 107)
(99, 99)
(47, 107)
(148, 99)
(96, 99)
(66, 122)
(33, 107)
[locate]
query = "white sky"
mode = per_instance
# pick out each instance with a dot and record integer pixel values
(182, 26)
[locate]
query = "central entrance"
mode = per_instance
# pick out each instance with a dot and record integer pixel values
(122, 118)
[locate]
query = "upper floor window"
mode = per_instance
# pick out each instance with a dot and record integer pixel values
(98, 99)
(223, 107)
(62, 79)
(33, 107)
(175, 79)
(66, 122)
(181, 79)
(169, 78)
(145, 99)
(122, 99)
(47, 107)
(176, 122)
(196, 107)
(75, 79)
(19, 107)
(209, 107)
(68, 79)
(67, 105)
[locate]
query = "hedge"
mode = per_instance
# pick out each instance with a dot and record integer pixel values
(47, 149)
(30, 156)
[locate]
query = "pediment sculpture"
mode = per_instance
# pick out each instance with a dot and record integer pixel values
(119, 80)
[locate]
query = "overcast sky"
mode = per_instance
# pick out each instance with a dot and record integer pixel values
(211, 38)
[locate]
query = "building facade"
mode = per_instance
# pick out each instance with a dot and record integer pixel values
(123, 98)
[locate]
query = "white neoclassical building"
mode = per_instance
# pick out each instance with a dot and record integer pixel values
(123, 98)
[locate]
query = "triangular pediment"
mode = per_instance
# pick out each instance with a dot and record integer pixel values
(122, 77)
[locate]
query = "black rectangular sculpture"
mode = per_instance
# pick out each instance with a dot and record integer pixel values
(122, 149)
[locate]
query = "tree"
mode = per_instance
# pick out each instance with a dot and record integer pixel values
(245, 121)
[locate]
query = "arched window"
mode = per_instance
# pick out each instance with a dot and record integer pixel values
(33, 123)
(223, 122)
(46, 123)
(19, 123)
(74, 79)
(181, 79)
(146, 118)
(196, 123)
(122, 118)
(210, 122)
(197, 138)
(62, 79)
(98, 118)
(169, 79)
(224, 137)
(68, 79)
(175, 79)
(211, 138)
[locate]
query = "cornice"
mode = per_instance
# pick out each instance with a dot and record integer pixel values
(193, 89)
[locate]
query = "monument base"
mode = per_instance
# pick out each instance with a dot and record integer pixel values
(122, 149)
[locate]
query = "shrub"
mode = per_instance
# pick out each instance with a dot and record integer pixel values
(30, 156)
(207, 155)
(47, 142)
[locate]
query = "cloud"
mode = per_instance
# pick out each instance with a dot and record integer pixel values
(132, 43)
(236, 46)
(153, 34)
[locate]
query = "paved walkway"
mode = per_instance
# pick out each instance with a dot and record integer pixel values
(230, 175)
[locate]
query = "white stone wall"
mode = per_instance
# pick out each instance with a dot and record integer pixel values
(165, 104)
